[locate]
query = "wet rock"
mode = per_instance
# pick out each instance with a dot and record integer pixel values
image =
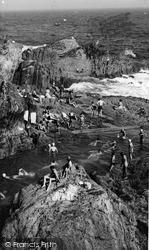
(82, 218)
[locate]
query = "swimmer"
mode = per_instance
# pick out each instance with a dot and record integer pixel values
(2, 196)
(21, 173)
(122, 134)
(95, 154)
(53, 151)
(10, 178)
(94, 143)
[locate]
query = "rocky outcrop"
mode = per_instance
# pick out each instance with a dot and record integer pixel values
(66, 62)
(13, 136)
(78, 214)
(133, 191)
(10, 57)
(58, 62)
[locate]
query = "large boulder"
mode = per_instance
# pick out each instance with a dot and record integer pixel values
(78, 214)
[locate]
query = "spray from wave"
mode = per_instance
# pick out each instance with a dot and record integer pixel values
(136, 85)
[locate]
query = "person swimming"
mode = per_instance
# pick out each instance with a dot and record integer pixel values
(122, 134)
(21, 173)
(2, 196)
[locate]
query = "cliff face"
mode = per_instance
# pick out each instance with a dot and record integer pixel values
(10, 57)
(12, 132)
(65, 61)
(83, 217)
(59, 61)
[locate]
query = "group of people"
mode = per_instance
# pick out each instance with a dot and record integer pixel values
(124, 162)
(48, 120)
(71, 116)
(53, 176)
(97, 106)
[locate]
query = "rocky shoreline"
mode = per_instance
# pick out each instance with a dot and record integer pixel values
(113, 212)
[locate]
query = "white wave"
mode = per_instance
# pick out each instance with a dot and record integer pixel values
(136, 85)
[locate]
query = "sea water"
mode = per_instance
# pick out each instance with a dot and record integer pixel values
(136, 85)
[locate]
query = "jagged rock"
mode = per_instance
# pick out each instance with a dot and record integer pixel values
(12, 129)
(83, 217)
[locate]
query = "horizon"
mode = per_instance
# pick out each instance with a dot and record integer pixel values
(75, 10)
(74, 5)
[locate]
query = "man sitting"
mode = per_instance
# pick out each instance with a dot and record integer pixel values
(67, 167)
(53, 176)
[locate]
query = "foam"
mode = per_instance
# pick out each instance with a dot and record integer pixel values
(124, 86)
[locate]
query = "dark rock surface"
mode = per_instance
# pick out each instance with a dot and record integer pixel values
(83, 218)
(134, 192)
(12, 132)
(66, 62)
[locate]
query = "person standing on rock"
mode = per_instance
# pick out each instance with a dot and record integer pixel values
(141, 137)
(112, 163)
(93, 108)
(3, 89)
(130, 149)
(61, 90)
(53, 151)
(82, 120)
(124, 166)
(100, 104)
(72, 117)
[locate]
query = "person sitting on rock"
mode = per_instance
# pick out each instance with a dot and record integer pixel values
(57, 125)
(65, 118)
(55, 89)
(53, 176)
(35, 96)
(48, 94)
(67, 167)
(142, 111)
(69, 102)
(41, 127)
(19, 92)
(121, 106)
